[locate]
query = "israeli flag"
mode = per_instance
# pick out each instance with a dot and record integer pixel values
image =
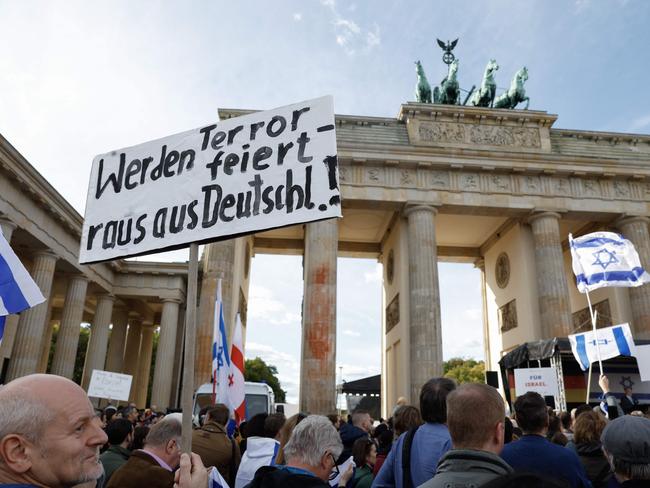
(612, 341)
(216, 480)
(604, 259)
(18, 291)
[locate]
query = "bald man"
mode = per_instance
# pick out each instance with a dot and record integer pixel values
(49, 434)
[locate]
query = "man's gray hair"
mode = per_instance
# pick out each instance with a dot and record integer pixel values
(632, 471)
(23, 413)
(163, 432)
(311, 439)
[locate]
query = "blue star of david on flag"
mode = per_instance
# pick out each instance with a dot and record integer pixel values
(603, 259)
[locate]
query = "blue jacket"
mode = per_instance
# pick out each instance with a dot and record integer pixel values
(430, 442)
(535, 454)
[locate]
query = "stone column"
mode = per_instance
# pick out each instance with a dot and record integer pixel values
(318, 364)
(115, 355)
(162, 376)
(31, 326)
(480, 264)
(65, 351)
(7, 228)
(552, 286)
(424, 298)
(96, 352)
(217, 263)
(144, 365)
(132, 351)
(178, 358)
(636, 230)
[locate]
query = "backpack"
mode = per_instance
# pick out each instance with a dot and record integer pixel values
(407, 481)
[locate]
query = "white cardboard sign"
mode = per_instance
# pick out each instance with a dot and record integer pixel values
(540, 380)
(105, 384)
(238, 176)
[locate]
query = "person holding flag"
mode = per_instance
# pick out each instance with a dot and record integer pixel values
(18, 291)
(603, 259)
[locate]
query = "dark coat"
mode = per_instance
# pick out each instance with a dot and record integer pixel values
(112, 459)
(595, 463)
(467, 468)
(141, 470)
(272, 477)
(212, 443)
(627, 405)
(349, 434)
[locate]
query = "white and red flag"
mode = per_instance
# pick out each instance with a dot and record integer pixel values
(236, 389)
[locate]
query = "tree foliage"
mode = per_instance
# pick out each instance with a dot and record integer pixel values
(464, 370)
(257, 370)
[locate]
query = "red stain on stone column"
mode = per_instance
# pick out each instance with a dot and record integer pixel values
(319, 330)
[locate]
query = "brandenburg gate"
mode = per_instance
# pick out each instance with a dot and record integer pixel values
(498, 188)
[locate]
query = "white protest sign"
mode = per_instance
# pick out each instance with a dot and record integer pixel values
(259, 171)
(540, 380)
(105, 384)
(643, 361)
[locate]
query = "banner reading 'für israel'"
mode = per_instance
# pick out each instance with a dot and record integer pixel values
(603, 259)
(238, 176)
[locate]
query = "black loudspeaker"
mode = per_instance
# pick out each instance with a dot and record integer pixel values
(550, 401)
(492, 378)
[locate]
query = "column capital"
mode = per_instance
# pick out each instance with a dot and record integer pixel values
(630, 219)
(538, 214)
(410, 208)
(6, 222)
(79, 277)
(45, 253)
(171, 300)
(480, 263)
(105, 296)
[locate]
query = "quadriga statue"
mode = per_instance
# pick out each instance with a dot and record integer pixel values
(449, 90)
(422, 89)
(484, 96)
(515, 93)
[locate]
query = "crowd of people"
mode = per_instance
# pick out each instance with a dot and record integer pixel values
(457, 437)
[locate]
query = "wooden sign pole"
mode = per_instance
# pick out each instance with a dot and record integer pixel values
(190, 343)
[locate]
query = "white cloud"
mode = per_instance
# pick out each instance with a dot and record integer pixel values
(474, 314)
(640, 123)
(375, 276)
(352, 333)
(349, 34)
(297, 16)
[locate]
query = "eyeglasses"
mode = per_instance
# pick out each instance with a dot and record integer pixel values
(335, 473)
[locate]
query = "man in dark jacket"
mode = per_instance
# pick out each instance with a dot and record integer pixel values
(626, 442)
(475, 418)
(212, 443)
(311, 454)
(534, 453)
(360, 427)
(120, 435)
(628, 402)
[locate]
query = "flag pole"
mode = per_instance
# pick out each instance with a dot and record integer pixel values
(593, 325)
(588, 385)
(190, 343)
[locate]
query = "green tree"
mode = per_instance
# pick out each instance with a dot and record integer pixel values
(257, 370)
(80, 360)
(465, 370)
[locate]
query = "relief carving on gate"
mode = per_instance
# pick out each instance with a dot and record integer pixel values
(484, 135)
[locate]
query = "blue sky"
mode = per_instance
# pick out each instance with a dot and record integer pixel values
(78, 78)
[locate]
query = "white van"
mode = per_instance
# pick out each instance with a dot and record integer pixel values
(259, 398)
